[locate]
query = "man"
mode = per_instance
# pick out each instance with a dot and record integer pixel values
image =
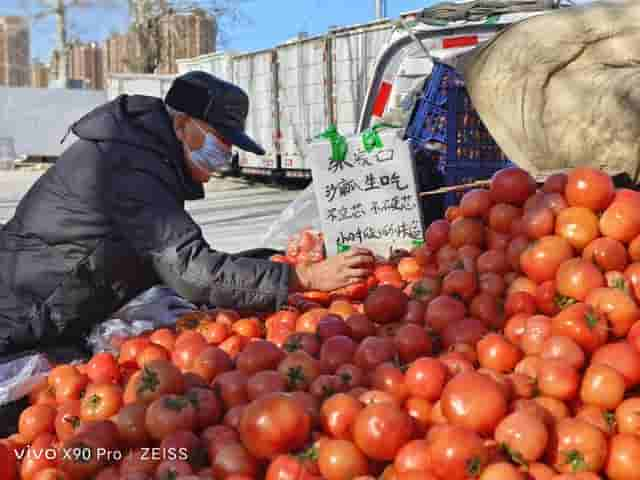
(107, 221)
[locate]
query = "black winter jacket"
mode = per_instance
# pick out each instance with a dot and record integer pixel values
(106, 222)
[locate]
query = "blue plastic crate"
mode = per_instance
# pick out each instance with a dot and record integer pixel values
(445, 115)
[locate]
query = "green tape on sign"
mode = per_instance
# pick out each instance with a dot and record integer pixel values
(339, 144)
(418, 243)
(343, 248)
(371, 137)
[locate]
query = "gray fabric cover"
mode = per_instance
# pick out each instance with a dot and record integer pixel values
(563, 89)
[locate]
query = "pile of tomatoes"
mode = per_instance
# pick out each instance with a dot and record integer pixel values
(507, 347)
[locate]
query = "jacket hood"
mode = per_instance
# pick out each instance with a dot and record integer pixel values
(141, 122)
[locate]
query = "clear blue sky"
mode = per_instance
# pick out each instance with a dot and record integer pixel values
(269, 21)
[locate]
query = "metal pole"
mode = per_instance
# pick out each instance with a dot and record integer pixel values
(380, 9)
(63, 74)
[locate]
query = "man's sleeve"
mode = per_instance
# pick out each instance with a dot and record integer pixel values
(153, 220)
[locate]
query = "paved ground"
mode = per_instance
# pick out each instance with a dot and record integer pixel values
(234, 216)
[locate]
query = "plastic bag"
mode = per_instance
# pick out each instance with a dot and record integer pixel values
(19, 377)
(301, 214)
(155, 308)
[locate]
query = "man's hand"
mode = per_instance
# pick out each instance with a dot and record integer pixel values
(335, 272)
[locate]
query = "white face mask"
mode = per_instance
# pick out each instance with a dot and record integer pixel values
(212, 155)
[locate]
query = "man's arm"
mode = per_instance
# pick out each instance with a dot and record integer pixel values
(153, 220)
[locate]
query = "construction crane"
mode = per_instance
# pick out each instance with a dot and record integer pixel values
(59, 9)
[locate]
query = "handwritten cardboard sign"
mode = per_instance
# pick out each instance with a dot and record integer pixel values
(369, 198)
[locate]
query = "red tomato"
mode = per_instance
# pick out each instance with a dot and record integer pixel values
(336, 351)
(443, 310)
(539, 222)
(460, 283)
(157, 378)
(498, 353)
(259, 355)
(308, 321)
(211, 362)
(546, 298)
(461, 407)
(576, 278)
(589, 187)
(618, 307)
(381, 430)
(339, 459)
(186, 352)
(168, 414)
(338, 414)
(555, 183)
(437, 235)
(475, 203)
(208, 406)
(36, 420)
(164, 338)
(131, 349)
(300, 369)
(100, 402)
(602, 386)
(410, 269)
(466, 231)
(103, 368)
(520, 302)
(565, 349)
(151, 353)
(288, 467)
(607, 253)
(583, 324)
(8, 463)
(130, 422)
(541, 261)
(578, 225)
(373, 351)
(620, 356)
(40, 456)
(557, 379)
(457, 453)
(512, 185)
(624, 448)
(386, 304)
(234, 459)
(578, 447)
(258, 422)
(231, 387)
(621, 220)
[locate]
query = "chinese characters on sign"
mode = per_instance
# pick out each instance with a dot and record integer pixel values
(367, 198)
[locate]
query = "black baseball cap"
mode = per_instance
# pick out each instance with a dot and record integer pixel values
(222, 105)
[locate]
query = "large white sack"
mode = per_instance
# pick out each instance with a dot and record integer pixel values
(563, 89)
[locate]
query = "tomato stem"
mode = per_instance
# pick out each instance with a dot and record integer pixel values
(292, 345)
(474, 466)
(176, 403)
(591, 319)
(149, 381)
(515, 456)
(563, 301)
(73, 420)
(610, 418)
(296, 377)
(94, 402)
(576, 461)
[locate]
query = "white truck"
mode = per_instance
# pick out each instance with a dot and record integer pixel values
(347, 77)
